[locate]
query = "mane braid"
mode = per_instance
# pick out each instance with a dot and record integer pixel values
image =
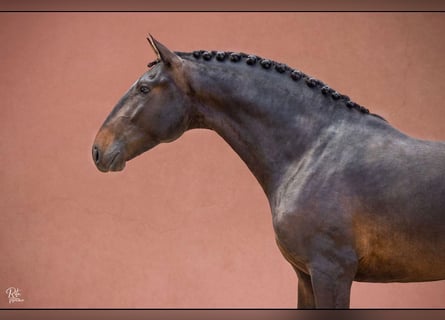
(294, 74)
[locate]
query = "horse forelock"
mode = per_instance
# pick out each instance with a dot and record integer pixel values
(153, 63)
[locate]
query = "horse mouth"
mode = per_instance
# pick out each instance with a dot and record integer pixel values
(117, 162)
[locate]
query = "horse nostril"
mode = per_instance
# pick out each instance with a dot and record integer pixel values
(96, 154)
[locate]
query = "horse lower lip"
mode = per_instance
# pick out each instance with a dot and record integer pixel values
(114, 163)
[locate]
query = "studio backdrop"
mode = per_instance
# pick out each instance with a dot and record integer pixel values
(186, 224)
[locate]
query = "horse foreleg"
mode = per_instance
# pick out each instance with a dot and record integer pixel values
(331, 283)
(306, 299)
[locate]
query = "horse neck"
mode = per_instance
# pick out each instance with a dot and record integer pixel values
(269, 120)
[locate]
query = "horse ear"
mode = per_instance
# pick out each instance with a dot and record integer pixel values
(164, 54)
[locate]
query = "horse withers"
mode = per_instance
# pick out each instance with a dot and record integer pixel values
(352, 198)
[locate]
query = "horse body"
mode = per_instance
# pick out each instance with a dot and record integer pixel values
(351, 197)
(377, 202)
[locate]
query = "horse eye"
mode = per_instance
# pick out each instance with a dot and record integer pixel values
(144, 89)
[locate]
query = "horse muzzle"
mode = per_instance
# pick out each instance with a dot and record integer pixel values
(112, 160)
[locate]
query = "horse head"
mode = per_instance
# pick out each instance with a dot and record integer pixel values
(154, 110)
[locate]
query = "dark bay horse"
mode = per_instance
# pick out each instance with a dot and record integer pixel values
(352, 198)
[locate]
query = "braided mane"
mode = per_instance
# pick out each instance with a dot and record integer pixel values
(294, 74)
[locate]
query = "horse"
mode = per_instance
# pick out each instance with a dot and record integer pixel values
(352, 198)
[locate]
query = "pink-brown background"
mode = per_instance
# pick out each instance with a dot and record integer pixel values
(185, 225)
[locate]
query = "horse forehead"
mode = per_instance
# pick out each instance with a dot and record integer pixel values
(151, 73)
(135, 83)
